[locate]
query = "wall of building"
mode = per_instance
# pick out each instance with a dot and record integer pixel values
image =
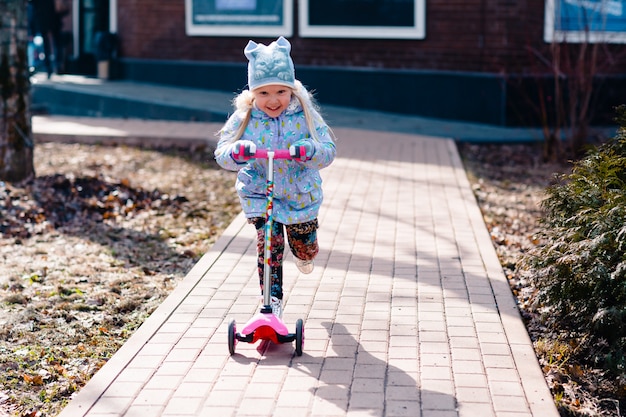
(461, 35)
(481, 60)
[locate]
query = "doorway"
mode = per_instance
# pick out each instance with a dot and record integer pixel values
(90, 18)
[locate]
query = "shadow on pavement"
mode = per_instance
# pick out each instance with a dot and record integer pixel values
(355, 380)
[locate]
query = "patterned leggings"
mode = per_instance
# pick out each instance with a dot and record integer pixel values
(302, 241)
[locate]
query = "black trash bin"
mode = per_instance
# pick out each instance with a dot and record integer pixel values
(106, 50)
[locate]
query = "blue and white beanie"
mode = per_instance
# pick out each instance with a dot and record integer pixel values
(270, 64)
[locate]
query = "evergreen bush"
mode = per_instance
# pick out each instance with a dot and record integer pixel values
(580, 268)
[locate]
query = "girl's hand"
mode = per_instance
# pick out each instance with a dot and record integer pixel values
(302, 150)
(243, 150)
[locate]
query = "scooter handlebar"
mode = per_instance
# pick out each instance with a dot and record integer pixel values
(278, 153)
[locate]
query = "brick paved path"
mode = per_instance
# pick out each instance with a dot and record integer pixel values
(407, 313)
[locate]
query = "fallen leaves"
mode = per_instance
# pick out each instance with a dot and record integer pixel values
(53, 201)
(89, 249)
(33, 380)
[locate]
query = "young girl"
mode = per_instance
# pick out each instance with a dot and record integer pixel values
(277, 112)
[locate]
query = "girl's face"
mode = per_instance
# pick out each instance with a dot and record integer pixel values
(272, 99)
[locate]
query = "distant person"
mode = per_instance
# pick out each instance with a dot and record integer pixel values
(63, 38)
(277, 112)
(45, 21)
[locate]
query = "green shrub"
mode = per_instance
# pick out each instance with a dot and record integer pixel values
(580, 268)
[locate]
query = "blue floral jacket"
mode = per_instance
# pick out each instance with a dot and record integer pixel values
(297, 185)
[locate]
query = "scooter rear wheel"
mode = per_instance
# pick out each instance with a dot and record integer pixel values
(232, 336)
(299, 336)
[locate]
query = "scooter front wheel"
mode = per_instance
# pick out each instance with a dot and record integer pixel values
(232, 336)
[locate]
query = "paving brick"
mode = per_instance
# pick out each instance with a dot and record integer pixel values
(436, 372)
(153, 397)
(329, 407)
(181, 406)
(403, 409)
(256, 407)
(437, 401)
(470, 380)
(142, 411)
(367, 385)
(466, 354)
(476, 409)
(509, 403)
(473, 395)
(468, 367)
(498, 361)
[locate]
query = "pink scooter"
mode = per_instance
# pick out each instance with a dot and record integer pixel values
(265, 325)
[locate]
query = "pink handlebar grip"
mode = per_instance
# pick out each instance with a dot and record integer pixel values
(278, 153)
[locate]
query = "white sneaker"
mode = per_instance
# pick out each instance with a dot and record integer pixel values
(277, 307)
(306, 267)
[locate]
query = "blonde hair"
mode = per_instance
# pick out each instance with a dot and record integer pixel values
(244, 103)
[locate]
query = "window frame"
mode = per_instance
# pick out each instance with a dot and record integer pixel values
(240, 30)
(417, 31)
(553, 34)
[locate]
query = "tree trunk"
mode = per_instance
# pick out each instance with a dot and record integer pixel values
(16, 144)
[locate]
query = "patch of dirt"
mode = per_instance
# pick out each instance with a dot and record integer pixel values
(88, 250)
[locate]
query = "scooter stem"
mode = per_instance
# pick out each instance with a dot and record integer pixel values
(269, 220)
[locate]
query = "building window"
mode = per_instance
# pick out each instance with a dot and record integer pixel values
(585, 21)
(373, 19)
(239, 17)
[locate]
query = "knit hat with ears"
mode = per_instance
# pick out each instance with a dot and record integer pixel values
(270, 64)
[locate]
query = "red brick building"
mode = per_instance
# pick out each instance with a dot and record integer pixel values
(479, 60)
